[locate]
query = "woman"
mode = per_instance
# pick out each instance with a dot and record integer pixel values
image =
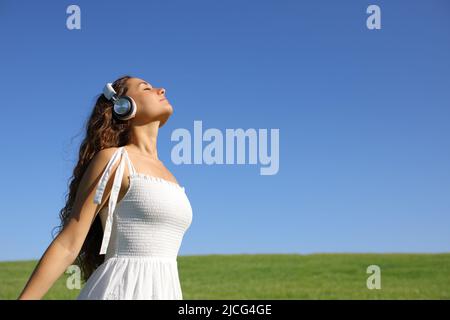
(128, 250)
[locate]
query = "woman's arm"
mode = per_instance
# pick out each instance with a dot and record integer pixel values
(64, 249)
(53, 263)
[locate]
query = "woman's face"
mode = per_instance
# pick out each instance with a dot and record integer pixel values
(151, 102)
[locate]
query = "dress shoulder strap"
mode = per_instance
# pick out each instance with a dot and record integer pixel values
(121, 154)
(131, 168)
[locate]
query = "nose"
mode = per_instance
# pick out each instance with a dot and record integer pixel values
(162, 91)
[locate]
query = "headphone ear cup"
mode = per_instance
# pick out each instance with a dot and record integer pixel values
(124, 108)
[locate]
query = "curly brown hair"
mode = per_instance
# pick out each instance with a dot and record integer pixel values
(103, 130)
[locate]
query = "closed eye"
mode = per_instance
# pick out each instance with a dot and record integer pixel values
(147, 89)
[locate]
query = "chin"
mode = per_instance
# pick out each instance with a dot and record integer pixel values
(169, 108)
(164, 118)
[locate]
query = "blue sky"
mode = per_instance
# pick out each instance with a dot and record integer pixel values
(363, 117)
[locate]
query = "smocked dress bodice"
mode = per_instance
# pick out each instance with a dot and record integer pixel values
(142, 236)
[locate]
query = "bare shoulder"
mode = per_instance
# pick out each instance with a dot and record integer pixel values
(104, 154)
(94, 171)
(84, 208)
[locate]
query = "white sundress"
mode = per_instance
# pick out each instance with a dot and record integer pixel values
(141, 239)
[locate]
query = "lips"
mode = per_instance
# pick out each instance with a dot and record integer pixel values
(162, 99)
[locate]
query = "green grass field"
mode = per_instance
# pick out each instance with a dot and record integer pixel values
(282, 276)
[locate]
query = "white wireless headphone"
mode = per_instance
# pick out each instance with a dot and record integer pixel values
(124, 106)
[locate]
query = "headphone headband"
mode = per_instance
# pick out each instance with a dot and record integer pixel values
(109, 92)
